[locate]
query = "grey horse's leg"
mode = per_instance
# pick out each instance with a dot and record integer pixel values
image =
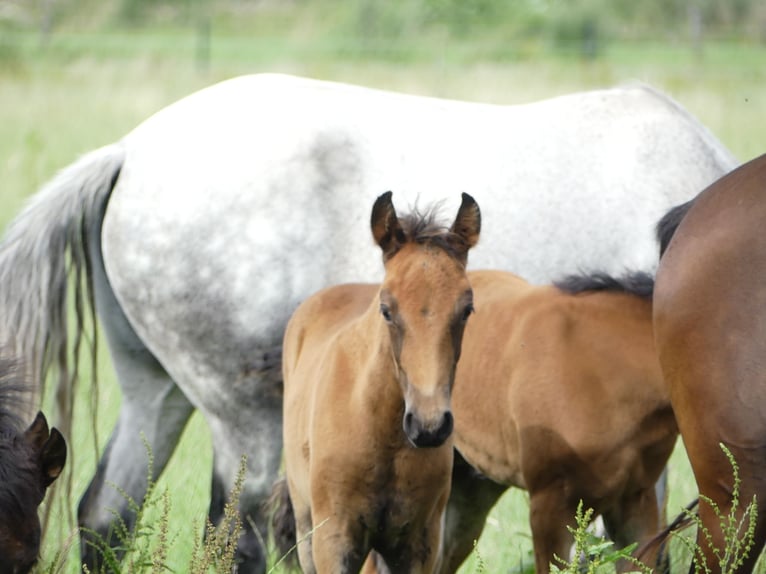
(153, 407)
(471, 500)
(255, 431)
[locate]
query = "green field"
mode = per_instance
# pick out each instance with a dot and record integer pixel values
(86, 89)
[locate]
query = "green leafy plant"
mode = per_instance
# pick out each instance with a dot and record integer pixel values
(144, 546)
(597, 551)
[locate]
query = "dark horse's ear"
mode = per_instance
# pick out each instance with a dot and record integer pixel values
(50, 447)
(385, 226)
(53, 457)
(467, 224)
(37, 433)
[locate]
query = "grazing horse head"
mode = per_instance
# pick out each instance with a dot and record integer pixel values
(30, 460)
(425, 300)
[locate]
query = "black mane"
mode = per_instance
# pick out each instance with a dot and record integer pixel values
(667, 226)
(636, 283)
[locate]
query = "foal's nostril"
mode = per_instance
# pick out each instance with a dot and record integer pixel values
(448, 423)
(423, 437)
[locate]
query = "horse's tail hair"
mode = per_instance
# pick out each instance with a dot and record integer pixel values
(43, 247)
(666, 227)
(684, 520)
(14, 394)
(638, 283)
(283, 522)
(44, 250)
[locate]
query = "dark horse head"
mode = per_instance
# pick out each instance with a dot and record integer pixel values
(30, 460)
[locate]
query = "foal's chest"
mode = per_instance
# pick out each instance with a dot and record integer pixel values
(409, 489)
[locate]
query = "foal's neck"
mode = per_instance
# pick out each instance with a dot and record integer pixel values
(377, 391)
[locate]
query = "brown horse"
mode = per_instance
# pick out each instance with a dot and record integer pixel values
(368, 373)
(559, 391)
(30, 460)
(710, 330)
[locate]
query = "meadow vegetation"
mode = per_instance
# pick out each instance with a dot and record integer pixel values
(89, 71)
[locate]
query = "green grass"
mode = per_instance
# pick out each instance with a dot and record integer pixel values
(86, 89)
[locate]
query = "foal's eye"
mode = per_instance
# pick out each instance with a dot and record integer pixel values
(386, 312)
(466, 313)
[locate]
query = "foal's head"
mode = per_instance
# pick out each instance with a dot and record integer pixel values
(30, 460)
(425, 300)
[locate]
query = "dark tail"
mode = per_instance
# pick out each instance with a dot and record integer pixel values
(283, 523)
(667, 226)
(635, 283)
(681, 522)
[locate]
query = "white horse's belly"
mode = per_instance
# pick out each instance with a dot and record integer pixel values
(238, 202)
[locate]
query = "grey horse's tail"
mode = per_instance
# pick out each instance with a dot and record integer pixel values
(283, 522)
(43, 248)
(45, 251)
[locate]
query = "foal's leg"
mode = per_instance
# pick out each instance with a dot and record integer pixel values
(337, 548)
(418, 552)
(635, 519)
(471, 498)
(152, 406)
(303, 536)
(549, 514)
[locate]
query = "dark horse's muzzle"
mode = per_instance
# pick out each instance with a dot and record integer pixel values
(427, 436)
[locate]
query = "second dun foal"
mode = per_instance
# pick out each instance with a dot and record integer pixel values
(559, 392)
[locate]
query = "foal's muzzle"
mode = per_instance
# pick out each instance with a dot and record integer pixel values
(427, 436)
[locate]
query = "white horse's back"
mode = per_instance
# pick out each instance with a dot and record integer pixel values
(572, 182)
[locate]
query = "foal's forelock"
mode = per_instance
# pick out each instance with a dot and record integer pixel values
(424, 229)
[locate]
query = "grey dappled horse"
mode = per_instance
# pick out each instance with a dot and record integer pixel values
(203, 229)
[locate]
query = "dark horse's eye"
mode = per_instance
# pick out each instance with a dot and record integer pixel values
(386, 312)
(467, 312)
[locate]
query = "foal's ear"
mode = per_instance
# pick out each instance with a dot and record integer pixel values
(53, 457)
(37, 433)
(386, 231)
(468, 221)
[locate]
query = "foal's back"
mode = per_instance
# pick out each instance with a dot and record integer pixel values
(538, 358)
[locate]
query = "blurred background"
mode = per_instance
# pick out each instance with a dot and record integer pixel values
(62, 61)
(78, 74)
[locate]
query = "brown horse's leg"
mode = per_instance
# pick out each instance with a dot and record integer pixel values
(549, 514)
(714, 476)
(635, 519)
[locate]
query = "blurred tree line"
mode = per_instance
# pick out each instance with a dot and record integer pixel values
(581, 25)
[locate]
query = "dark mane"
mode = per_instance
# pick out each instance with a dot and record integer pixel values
(667, 226)
(424, 229)
(636, 283)
(16, 462)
